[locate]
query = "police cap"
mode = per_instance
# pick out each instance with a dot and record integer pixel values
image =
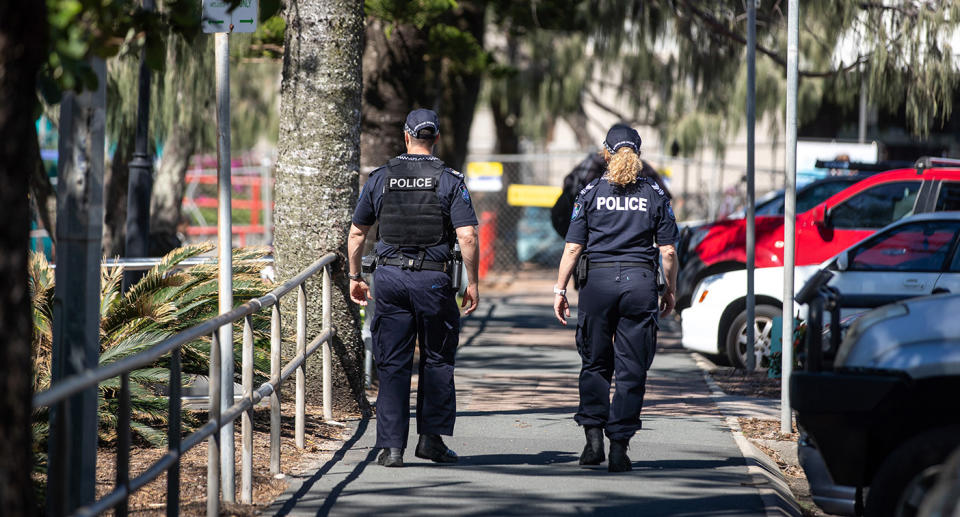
(422, 123)
(621, 135)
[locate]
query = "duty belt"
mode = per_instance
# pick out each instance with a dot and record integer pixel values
(414, 264)
(647, 265)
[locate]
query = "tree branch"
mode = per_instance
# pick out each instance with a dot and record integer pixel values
(720, 29)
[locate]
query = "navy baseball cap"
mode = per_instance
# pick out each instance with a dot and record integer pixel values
(422, 123)
(621, 135)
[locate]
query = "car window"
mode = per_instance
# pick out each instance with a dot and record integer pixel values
(920, 246)
(949, 197)
(817, 194)
(877, 206)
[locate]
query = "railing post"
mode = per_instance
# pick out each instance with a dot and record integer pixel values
(246, 422)
(173, 435)
(123, 444)
(302, 369)
(327, 360)
(213, 442)
(275, 365)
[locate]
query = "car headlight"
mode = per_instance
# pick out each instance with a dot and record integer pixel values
(859, 327)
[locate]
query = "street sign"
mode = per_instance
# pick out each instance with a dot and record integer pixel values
(217, 16)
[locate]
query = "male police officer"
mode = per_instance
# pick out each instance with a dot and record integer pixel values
(619, 221)
(422, 207)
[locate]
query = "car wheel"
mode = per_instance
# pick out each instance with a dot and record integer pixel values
(909, 472)
(736, 345)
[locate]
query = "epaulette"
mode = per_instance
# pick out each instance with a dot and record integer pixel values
(455, 173)
(656, 186)
(378, 169)
(589, 186)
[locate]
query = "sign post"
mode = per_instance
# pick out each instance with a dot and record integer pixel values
(221, 17)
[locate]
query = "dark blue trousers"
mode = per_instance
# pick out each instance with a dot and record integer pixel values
(414, 306)
(616, 335)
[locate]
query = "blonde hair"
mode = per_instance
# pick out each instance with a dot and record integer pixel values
(622, 167)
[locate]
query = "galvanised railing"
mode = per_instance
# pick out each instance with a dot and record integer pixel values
(117, 499)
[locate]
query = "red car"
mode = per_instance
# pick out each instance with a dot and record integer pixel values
(828, 227)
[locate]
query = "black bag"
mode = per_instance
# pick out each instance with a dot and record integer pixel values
(560, 213)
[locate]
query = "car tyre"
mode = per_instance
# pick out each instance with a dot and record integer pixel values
(736, 346)
(909, 472)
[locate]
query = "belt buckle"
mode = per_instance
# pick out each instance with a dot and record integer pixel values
(409, 264)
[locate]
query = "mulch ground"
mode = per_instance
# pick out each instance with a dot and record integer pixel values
(758, 430)
(321, 441)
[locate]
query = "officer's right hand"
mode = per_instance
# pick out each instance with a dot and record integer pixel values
(471, 297)
(359, 292)
(561, 308)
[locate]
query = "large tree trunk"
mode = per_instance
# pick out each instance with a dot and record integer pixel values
(317, 172)
(115, 197)
(460, 89)
(168, 187)
(23, 28)
(393, 84)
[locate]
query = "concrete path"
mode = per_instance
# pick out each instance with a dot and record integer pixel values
(518, 444)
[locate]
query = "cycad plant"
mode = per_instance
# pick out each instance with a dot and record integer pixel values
(168, 299)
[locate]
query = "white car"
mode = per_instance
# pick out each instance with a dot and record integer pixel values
(914, 256)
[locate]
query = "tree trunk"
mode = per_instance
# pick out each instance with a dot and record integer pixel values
(115, 197)
(23, 28)
(317, 171)
(461, 88)
(167, 197)
(393, 84)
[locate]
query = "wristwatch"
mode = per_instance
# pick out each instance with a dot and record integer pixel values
(357, 276)
(561, 292)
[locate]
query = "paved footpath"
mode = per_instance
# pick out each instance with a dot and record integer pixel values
(518, 444)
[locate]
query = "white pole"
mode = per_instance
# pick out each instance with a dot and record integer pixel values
(246, 426)
(225, 246)
(790, 221)
(751, 363)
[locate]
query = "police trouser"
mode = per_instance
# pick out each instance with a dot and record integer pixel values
(412, 306)
(616, 334)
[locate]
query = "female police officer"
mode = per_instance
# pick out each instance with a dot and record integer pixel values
(615, 223)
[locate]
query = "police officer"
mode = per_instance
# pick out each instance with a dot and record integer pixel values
(618, 221)
(423, 207)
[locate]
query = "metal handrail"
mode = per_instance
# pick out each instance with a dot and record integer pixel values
(169, 463)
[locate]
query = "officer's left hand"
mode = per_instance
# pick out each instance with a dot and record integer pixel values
(359, 292)
(561, 308)
(667, 302)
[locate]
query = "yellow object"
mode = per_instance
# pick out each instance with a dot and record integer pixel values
(479, 169)
(666, 172)
(533, 195)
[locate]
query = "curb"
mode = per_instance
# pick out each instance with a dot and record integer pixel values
(778, 499)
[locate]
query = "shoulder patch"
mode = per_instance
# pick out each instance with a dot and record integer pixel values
(455, 173)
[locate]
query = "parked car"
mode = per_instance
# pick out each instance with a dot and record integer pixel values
(881, 423)
(912, 257)
(823, 229)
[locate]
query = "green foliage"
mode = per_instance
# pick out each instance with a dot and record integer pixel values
(167, 300)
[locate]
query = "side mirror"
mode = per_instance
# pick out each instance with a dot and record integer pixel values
(843, 261)
(821, 215)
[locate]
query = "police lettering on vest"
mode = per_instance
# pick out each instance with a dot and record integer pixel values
(621, 203)
(408, 183)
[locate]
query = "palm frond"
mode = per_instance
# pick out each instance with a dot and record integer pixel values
(153, 436)
(131, 345)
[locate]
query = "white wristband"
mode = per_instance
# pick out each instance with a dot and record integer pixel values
(561, 292)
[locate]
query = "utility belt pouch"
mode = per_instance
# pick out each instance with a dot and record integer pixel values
(583, 265)
(368, 263)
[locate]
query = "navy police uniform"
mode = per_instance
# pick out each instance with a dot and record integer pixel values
(419, 203)
(620, 227)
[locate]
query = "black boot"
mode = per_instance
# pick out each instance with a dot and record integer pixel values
(619, 462)
(391, 457)
(431, 447)
(593, 451)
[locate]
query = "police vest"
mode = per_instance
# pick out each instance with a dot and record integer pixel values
(411, 214)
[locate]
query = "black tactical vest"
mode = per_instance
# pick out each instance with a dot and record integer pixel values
(411, 215)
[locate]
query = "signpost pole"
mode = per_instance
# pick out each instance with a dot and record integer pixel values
(790, 221)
